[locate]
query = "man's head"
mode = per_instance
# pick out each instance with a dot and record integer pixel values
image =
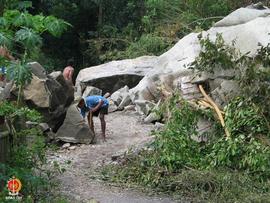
(81, 103)
(70, 62)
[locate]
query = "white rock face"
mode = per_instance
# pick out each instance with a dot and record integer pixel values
(246, 26)
(111, 76)
(174, 63)
(241, 16)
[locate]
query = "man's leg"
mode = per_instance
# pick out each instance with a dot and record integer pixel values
(90, 121)
(103, 125)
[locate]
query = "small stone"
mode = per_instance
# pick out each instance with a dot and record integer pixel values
(130, 108)
(30, 124)
(66, 145)
(152, 117)
(44, 127)
(72, 148)
(159, 126)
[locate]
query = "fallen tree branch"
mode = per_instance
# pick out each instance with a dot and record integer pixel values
(216, 109)
(207, 105)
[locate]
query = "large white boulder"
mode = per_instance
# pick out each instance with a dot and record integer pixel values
(111, 76)
(246, 27)
(174, 63)
(241, 16)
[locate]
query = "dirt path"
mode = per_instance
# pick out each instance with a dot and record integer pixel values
(123, 131)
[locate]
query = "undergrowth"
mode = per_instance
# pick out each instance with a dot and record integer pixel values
(26, 157)
(222, 169)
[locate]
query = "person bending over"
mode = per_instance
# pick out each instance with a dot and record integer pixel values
(97, 106)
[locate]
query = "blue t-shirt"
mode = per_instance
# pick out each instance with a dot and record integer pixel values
(3, 70)
(91, 102)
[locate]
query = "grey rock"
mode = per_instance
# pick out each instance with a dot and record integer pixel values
(55, 74)
(227, 90)
(203, 128)
(130, 108)
(65, 146)
(36, 92)
(50, 97)
(2, 84)
(144, 106)
(258, 6)
(72, 148)
(44, 127)
(73, 132)
(151, 118)
(125, 101)
(38, 70)
(1, 93)
(6, 94)
(159, 126)
(111, 76)
(118, 95)
(112, 107)
(89, 90)
(241, 16)
(246, 27)
(50, 136)
(62, 91)
(30, 124)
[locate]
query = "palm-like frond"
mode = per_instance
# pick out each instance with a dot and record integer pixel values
(55, 26)
(28, 38)
(5, 39)
(20, 73)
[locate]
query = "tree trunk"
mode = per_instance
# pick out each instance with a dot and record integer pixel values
(100, 16)
(100, 13)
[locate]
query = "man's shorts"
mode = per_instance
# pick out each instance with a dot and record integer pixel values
(102, 110)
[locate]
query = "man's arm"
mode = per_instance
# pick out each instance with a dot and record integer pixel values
(70, 73)
(97, 107)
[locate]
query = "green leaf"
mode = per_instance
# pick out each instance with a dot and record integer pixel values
(3, 22)
(5, 40)
(23, 5)
(11, 15)
(38, 24)
(55, 26)
(20, 73)
(23, 19)
(28, 38)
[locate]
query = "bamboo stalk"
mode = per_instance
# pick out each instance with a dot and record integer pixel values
(216, 109)
(207, 105)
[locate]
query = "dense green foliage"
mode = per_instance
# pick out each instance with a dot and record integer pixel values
(242, 157)
(21, 32)
(26, 157)
(26, 153)
(105, 30)
(220, 170)
(216, 55)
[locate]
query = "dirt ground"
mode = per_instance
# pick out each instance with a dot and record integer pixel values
(124, 130)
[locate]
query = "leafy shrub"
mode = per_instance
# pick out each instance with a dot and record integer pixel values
(26, 164)
(148, 44)
(26, 157)
(173, 146)
(245, 149)
(246, 152)
(255, 80)
(218, 170)
(9, 109)
(216, 55)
